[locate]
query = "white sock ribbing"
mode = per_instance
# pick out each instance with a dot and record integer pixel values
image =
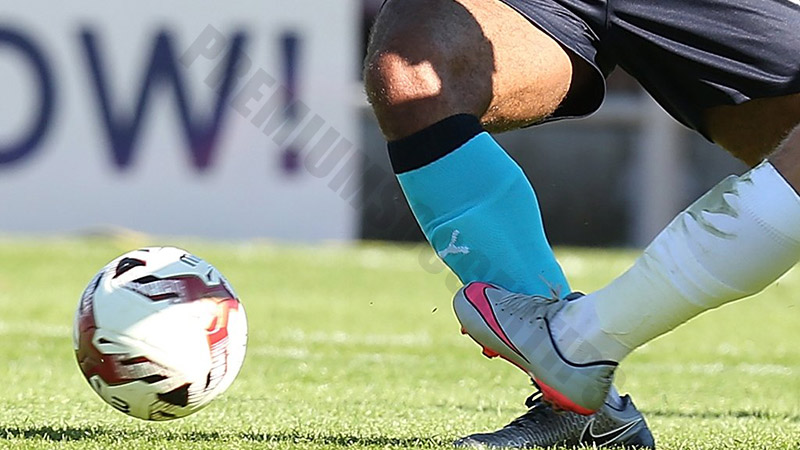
(731, 243)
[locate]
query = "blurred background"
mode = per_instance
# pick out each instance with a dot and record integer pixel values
(192, 119)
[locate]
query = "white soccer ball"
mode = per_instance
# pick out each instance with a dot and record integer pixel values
(159, 333)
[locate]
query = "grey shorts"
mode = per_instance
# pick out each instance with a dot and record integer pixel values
(688, 54)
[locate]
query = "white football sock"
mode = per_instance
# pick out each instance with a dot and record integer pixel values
(578, 335)
(731, 243)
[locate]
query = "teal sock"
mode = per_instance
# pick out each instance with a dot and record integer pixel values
(476, 207)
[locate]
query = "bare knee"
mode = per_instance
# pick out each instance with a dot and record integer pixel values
(430, 59)
(408, 95)
(427, 60)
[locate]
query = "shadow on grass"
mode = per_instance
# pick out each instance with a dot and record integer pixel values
(761, 415)
(344, 440)
(51, 433)
(62, 434)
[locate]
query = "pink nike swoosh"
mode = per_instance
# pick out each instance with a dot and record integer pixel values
(475, 294)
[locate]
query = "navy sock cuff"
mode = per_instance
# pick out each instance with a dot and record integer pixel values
(433, 143)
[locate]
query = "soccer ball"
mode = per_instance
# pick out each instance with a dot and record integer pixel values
(159, 333)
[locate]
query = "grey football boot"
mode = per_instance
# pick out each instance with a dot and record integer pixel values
(517, 328)
(542, 426)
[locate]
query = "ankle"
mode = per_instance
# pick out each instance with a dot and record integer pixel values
(580, 339)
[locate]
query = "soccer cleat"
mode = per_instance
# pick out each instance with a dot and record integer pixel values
(542, 426)
(516, 328)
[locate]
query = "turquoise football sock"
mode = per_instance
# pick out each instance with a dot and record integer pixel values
(476, 207)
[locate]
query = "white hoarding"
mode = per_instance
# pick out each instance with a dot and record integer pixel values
(215, 119)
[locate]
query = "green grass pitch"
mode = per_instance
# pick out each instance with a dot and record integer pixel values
(358, 347)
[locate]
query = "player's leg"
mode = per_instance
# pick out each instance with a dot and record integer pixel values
(733, 242)
(751, 131)
(745, 232)
(436, 71)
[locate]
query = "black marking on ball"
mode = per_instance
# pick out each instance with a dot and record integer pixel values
(153, 378)
(146, 279)
(178, 396)
(127, 264)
